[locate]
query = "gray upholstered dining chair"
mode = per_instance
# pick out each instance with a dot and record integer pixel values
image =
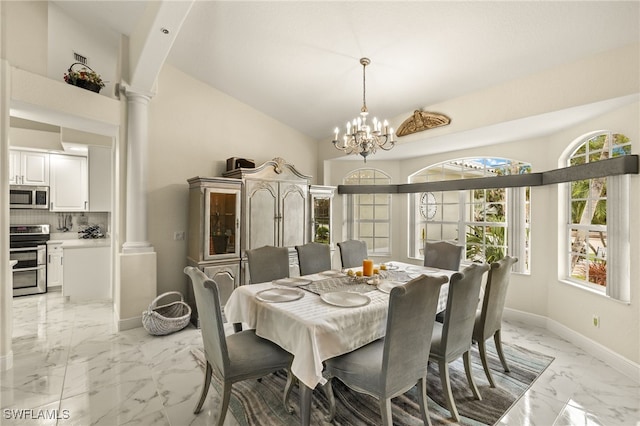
(452, 338)
(391, 366)
(313, 258)
(488, 320)
(352, 253)
(442, 255)
(268, 263)
(234, 358)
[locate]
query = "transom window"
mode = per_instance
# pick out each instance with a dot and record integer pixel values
(369, 215)
(489, 222)
(589, 231)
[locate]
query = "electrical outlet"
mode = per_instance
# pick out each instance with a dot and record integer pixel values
(178, 235)
(596, 321)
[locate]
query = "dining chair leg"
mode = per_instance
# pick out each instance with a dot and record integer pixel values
(482, 348)
(328, 391)
(424, 407)
(305, 404)
(498, 339)
(385, 411)
(205, 388)
(443, 366)
(467, 369)
(291, 379)
(224, 406)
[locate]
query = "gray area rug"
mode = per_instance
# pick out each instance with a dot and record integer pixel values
(260, 403)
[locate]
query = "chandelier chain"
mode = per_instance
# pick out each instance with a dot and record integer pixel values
(364, 87)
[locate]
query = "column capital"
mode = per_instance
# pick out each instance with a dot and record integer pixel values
(132, 92)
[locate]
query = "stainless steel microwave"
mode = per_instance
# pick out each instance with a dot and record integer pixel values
(28, 197)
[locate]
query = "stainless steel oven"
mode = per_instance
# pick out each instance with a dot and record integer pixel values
(28, 246)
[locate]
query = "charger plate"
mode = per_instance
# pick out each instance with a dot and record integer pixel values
(345, 299)
(386, 285)
(292, 282)
(279, 295)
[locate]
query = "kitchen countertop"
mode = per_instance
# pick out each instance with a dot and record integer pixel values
(71, 240)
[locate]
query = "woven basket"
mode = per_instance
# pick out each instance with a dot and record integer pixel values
(166, 319)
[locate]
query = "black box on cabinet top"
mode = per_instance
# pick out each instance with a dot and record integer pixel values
(236, 163)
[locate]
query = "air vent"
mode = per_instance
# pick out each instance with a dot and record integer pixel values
(80, 58)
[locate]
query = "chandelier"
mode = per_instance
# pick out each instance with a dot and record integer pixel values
(363, 138)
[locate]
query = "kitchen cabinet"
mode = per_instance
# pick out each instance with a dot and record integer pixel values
(87, 270)
(28, 168)
(69, 189)
(54, 264)
(99, 179)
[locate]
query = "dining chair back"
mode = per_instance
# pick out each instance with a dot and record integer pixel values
(391, 366)
(268, 263)
(352, 253)
(313, 258)
(238, 357)
(488, 321)
(452, 338)
(442, 255)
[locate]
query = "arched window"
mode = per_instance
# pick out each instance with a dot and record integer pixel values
(596, 233)
(490, 223)
(368, 216)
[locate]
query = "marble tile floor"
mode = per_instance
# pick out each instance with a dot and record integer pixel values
(71, 365)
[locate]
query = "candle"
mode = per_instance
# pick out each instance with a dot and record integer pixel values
(367, 267)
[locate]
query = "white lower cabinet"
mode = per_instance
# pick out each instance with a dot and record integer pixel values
(54, 265)
(87, 273)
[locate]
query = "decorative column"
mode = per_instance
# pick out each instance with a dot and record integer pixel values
(137, 266)
(137, 154)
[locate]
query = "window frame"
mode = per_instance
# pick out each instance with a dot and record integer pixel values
(353, 206)
(616, 217)
(516, 239)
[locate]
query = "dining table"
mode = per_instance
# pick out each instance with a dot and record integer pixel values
(323, 315)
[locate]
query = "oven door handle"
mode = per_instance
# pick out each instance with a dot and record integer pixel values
(35, 268)
(36, 248)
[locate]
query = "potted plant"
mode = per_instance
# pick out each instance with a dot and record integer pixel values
(85, 77)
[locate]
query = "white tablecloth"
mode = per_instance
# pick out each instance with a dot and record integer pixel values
(313, 330)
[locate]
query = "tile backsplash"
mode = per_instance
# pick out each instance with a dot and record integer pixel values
(79, 220)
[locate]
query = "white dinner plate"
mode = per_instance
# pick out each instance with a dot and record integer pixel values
(345, 299)
(420, 270)
(386, 285)
(292, 282)
(391, 267)
(331, 273)
(279, 294)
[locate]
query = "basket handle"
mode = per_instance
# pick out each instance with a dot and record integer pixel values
(80, 63)
(155, 301)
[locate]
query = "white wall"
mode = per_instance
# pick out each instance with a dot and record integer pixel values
(193, 129)
(67, 35)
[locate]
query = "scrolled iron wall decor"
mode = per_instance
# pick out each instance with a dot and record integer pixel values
(422, 120)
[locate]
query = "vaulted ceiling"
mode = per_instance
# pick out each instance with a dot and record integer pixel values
(298, 61)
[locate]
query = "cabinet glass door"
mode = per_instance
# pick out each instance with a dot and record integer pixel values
(221, 223)
(321, 220)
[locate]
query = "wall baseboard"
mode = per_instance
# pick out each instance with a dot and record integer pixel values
(604, 354)
(6, 361)
(129, 323)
